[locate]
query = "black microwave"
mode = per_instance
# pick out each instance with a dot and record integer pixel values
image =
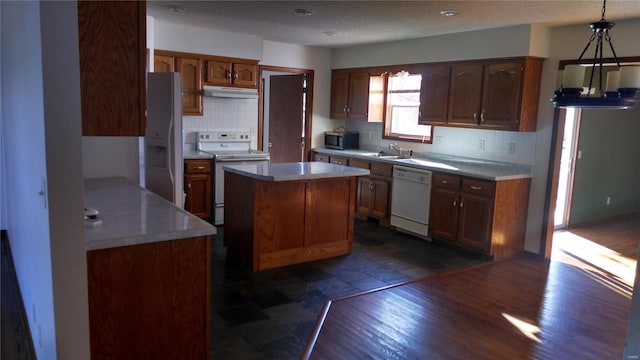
(342, 141)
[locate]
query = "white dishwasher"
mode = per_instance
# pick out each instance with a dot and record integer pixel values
(410, 196)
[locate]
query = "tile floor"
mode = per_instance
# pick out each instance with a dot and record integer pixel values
(269, 314)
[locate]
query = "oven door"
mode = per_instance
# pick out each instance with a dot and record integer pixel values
(218, 183)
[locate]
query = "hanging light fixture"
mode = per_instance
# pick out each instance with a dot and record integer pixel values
(623, 85)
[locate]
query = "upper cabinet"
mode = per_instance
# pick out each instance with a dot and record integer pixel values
(232, 72)
(434, 94)
(190, 70)
(356, 95)
(112, 47)
(162, 63)
(498, 94)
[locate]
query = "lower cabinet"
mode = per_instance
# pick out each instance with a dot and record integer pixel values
(374, 191)
(479, 215)
(150, 301)
(198, 188)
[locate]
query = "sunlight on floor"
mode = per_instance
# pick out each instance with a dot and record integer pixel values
(527, 329)
(605, 265)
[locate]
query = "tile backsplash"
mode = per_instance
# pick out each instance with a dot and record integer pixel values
(223, 114)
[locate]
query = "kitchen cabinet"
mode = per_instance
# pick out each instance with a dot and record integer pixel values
(339, 160)
(434, 94)
(319, 157)
(150, 301)
(112, 67)
(373, 198)
(162, 63)
(485, 216)
(190, 70)
(232, 72)
(498, 94)
(350, 95)
(197, 184)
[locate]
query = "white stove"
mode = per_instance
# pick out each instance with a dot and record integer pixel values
(227, 148)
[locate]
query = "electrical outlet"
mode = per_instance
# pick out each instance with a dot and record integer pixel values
(481, 144)
(608, 200)
(512, 148)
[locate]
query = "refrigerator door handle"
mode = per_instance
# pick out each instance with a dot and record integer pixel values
(170, 152)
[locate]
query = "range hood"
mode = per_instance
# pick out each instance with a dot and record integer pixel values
(229, 92)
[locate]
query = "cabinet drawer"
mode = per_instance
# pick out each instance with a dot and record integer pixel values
(339, 160)
(446, 181)
(382, 169)
(359, 163)
(477, 186)
(320, 157)
(197, 166)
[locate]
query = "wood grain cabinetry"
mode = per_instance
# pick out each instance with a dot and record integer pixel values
(231, 72)
(434, 94)
(480, 215)
(198, 187)
(278, 223)
(349, 95)
(190, 70)
(319, 157)
(499, 94)
(112, 46)
(150, 301)
(374, 192)
(162, 63)
(339, 160)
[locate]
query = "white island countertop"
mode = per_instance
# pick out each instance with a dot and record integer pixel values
(295, 171)
(132, 215)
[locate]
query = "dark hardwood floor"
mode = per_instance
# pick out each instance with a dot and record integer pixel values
(570, 307)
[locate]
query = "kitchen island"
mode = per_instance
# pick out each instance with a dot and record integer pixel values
(148, 275)
(289, 213)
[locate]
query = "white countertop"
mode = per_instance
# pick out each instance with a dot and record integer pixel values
(132, 215)
(295, 171)
(483, 169)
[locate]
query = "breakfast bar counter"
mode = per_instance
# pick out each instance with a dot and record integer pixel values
(288, 213)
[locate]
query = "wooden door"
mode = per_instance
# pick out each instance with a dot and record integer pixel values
(339, 94)
(364, 197)
(475, 221)
(434, 95)
(191, 74)
(501, 95)
(466, 94)
(245, 75)
(163, 63)
(198, 191)
(380, 201)
(443, 214)
(358, 107)
(286, 118)
(218, 73)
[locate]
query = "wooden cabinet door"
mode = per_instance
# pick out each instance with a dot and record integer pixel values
(443, 214)
(358, 107)
(218, 73)
(434, 95)
(328, 217)
(320, 157)
(466, 94)
(198, 191)
(339, 95)
(364, 196)
(112, 67)
(380, 202)
(163, 63)
(245, 75)
(191, 73)
(339, 160)
(501, 95)
(475, 221)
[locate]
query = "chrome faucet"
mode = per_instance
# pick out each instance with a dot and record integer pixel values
(396, 148)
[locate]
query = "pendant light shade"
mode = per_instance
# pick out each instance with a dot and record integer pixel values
(622, 87)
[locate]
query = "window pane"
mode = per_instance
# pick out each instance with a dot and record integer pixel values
(403, 106)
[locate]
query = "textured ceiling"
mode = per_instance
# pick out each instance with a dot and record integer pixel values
(362, 22)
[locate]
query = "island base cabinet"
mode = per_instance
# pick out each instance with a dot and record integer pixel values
(150, 301)
(270, 224)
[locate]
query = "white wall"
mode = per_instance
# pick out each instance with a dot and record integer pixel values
(41, 136)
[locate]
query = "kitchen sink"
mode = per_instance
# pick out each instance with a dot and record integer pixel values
(383, 155)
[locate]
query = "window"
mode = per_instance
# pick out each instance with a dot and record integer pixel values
(403, 108)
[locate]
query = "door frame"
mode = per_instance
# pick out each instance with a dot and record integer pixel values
(553, 175)
(308, 109)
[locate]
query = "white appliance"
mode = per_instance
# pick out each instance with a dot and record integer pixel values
(163, 137)
(410, 196)
(229, 92)
(227, 148)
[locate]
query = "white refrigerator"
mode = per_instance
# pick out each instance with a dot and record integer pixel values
(163, 137)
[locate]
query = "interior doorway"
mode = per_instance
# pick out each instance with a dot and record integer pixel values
(568, 159)
(284, 118)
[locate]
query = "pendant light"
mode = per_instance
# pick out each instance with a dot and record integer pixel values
(622, 87)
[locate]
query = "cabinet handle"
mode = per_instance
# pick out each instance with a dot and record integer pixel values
(461, 202)
(473, 187)
(227, 74)
(199, 167)
(445, 182)
(236, 75)
(188, 186)
(455, 202)
(475, 116)
(482, 116)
